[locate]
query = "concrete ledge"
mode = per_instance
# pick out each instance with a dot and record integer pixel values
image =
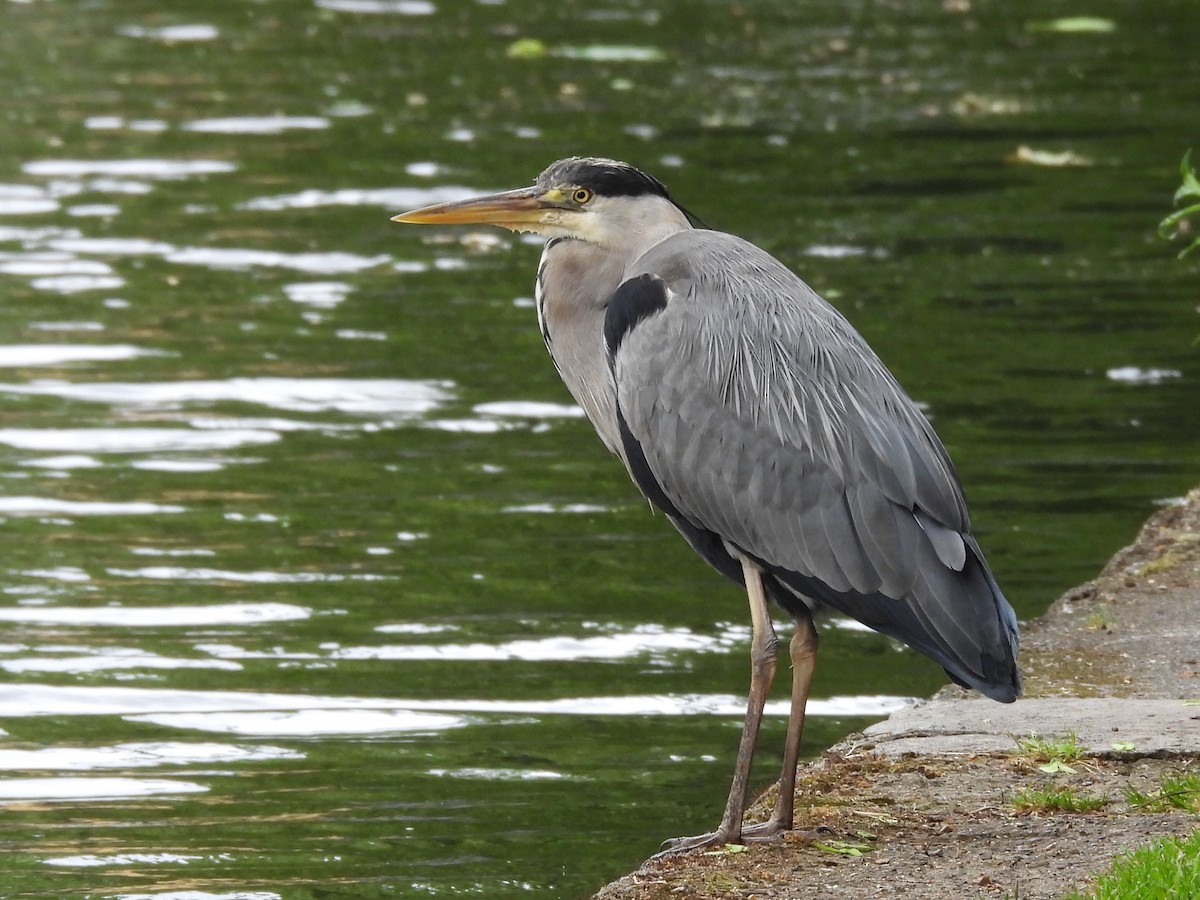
(958, 727)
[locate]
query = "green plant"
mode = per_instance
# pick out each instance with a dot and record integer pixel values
(1053, 753)
(1187, 192)
(1055, 799)
(1174, 792)
(1166, 868)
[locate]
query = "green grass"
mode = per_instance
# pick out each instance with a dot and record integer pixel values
(1169, 868)
(1054, 752)
(1174, 792)
(1055, 799)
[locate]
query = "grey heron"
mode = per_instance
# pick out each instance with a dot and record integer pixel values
(753, 415)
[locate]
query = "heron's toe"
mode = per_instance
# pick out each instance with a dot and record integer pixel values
(710, 841)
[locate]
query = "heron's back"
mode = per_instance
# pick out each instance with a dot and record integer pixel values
(761, 421)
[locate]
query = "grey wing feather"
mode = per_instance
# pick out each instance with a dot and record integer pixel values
(763, 417)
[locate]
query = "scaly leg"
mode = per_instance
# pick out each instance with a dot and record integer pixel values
(764, 647)
(803, 651)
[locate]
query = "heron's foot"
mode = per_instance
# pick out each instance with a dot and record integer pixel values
(761, 833)
(771, 830)
(710, 841)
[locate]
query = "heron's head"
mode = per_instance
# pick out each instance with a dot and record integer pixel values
(597, 200)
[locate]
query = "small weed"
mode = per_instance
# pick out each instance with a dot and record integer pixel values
(1053, 753)
(1174, 792)
(1101, 620)
(1055, 799)
(1166, 868)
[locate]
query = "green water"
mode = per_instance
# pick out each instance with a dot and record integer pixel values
(314, 584)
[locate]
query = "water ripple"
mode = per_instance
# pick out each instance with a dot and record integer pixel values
(140, 168)
(399, 7)
(73, 789)
(257, 124)
(329, 263)
(138, 755)
(357, 396)
(132, 440)
(21, 356)
(157, 616)
(43, 506)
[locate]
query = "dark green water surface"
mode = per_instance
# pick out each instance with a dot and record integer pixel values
(314, 584)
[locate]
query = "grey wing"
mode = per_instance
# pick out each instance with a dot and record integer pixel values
(753, 413)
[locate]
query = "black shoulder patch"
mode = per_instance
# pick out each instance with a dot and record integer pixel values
(636, 299)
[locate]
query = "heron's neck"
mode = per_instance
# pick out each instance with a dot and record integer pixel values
(574, 281)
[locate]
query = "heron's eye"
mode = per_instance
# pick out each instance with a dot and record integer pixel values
(581, 195)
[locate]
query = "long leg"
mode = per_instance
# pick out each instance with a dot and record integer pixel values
(764, 648)
(803, 651)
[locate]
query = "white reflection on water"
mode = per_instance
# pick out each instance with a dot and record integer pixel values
(178, 465)
(66, 326)
(172, 34)
(399, 7)
(30, 355)
(131, 440)
(137, 168)
(328, 263)
(672, 705)
(185, 573)
(107, 659)
(1137, 375)
(389, 198)
(317, 294)
(138, 755)
(24, 200)
(257, 124)
(551, 508)
(99, 210)
(67, 461)
(74, 284)
(121, 859)
(157, 616)
(358, 396)
(60, 573)
(41, 506)
(48, 789)
(111, 246)
(644, 640)
(50, 264)
(247, 713)
(529, 409)
(201, 895)
(309, 722)
(501, 774)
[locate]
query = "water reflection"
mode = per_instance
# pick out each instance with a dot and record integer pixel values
(67, 789)
(151, 617)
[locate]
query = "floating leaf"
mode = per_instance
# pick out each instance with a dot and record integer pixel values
(1052, 158)
(1074, 25)
(526, 48)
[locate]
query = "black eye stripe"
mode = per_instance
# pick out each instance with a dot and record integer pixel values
(604, 177)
